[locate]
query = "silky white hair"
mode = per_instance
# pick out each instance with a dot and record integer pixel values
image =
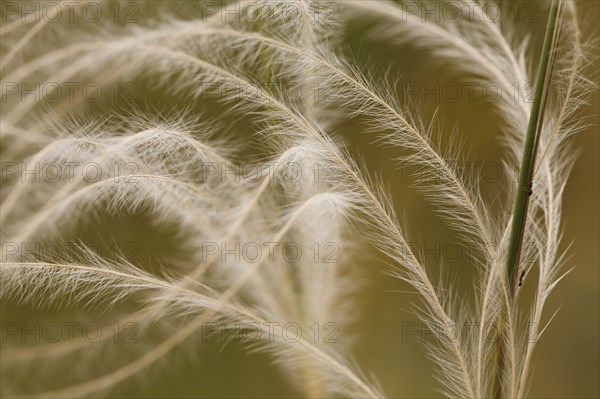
(162, 160)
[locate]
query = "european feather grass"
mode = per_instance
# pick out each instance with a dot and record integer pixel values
(190, 58)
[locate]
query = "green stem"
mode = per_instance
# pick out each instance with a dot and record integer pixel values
(529, 152)
(525, 185)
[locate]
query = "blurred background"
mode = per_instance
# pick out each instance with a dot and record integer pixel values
(387, 336)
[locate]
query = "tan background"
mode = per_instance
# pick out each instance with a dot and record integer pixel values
(567, 359)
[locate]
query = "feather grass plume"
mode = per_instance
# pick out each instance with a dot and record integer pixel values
(247, 93)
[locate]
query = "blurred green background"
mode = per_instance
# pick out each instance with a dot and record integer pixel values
(567, 358)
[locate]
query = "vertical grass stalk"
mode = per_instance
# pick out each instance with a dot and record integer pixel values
(525, 183)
